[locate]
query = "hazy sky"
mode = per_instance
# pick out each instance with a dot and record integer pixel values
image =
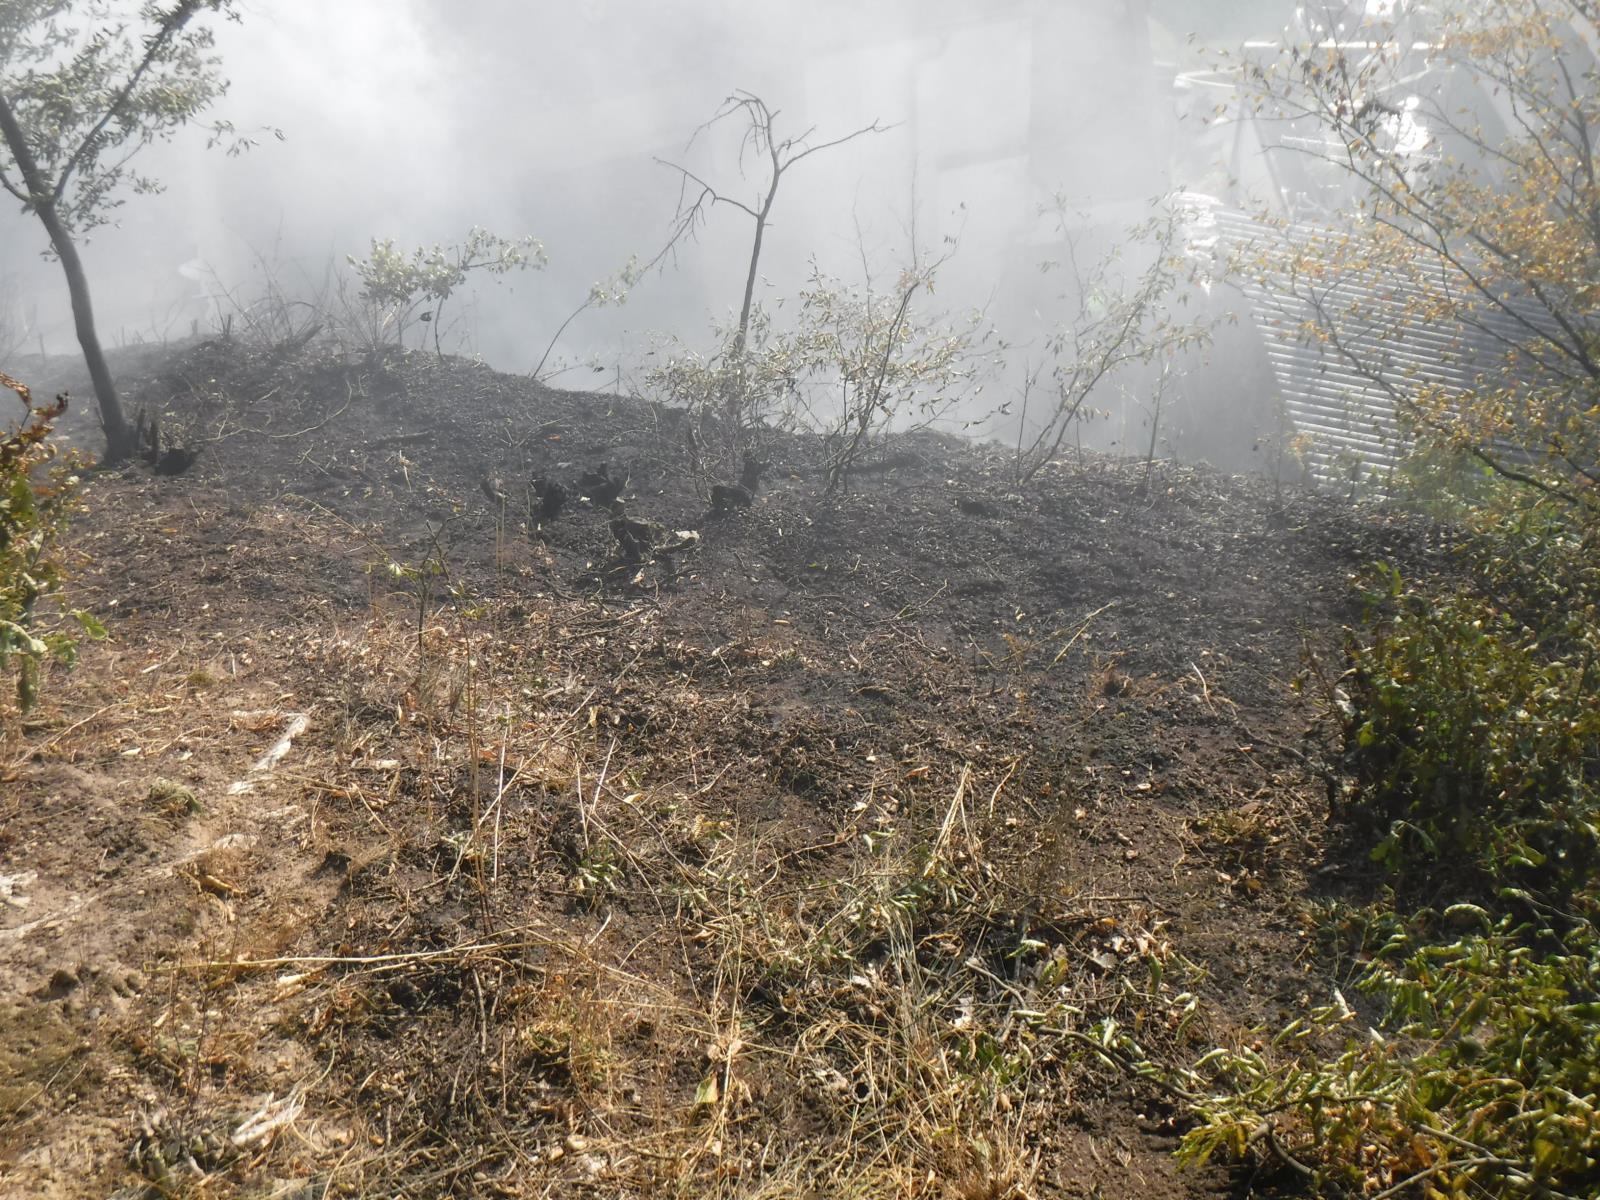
(416, 119)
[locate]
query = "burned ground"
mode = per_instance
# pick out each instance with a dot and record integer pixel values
(816, 856)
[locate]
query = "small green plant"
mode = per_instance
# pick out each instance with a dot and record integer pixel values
(597, 875)
(426, 576)
(36, 498)
(169, 799)
(414, 287)
(611, 292)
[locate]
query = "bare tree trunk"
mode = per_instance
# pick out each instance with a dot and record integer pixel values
(119, 436)
(755, 263)
(737, 404)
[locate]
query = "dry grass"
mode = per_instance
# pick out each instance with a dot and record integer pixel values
(835, 860)
(556, 965)
(543, 943)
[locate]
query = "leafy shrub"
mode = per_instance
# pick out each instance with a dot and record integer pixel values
(35, 502)
(405, 287)
(1541, 560)
(729, 393)
(1486, 1084)
(852, 366)
(1474, 736)
(1444, 482)
(1477, 737)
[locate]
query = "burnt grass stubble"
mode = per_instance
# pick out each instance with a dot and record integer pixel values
(723, 872)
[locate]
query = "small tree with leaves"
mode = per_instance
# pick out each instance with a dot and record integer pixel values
(414, 287)
(83, 88)
(1463, 140)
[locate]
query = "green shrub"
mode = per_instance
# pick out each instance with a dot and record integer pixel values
(851, 366)
(35, 500)
(1486, 1083)
(1444, 482)
(1542, 563)
(405, 288)
(1473, 734)
(1475, 737)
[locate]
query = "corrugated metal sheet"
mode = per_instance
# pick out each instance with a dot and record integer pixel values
(1344, 422)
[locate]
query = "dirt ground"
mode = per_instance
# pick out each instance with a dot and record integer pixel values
(393, 845)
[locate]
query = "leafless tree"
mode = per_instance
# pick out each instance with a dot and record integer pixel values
(761, 142)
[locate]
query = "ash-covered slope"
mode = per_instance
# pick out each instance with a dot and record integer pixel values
(865, 809)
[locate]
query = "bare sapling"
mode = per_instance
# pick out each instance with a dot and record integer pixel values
(776, 155)
(1160, 394)
(1117, 319)
(606, 293)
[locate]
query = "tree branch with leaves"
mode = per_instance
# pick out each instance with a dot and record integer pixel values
(1467, 153)
(79, 98)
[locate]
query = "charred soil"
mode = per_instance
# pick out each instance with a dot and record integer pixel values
(406, 839)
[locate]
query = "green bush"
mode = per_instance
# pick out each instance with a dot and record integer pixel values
(1476, 737)
(851, 366)
(1473, 735)
(1486, 1083)
(399, 285)
(36, 498)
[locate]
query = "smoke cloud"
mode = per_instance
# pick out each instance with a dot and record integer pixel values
(416, 119)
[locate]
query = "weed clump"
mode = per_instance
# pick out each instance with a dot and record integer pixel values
(35, 502)
(170, 799)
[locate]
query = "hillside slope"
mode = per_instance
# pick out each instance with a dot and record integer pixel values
(394, 846)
